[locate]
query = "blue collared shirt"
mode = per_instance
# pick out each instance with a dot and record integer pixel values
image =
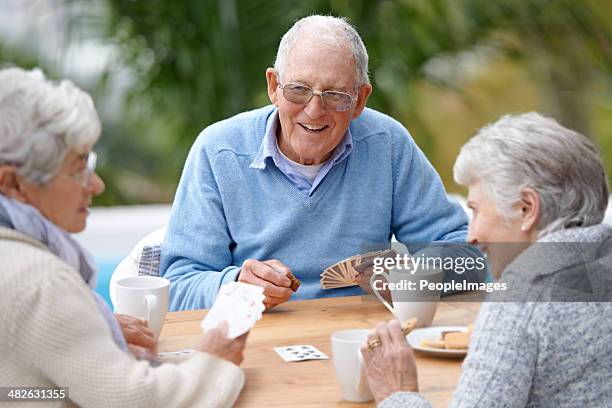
(270, 150)
(225, 211)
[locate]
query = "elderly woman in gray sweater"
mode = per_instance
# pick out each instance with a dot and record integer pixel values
(542, 188)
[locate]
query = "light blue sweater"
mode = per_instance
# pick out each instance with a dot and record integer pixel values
(231, 205)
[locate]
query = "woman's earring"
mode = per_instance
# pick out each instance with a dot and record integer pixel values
(523, 228)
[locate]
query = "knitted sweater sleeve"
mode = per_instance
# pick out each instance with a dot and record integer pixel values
(422, 211)
(501, 361)
(404, 400)
(424, 216)
(57, 332)
(196, 255)
(500, 365)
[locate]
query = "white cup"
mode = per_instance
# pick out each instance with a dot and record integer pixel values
(407, 304)
(350, 372)
(145, 297)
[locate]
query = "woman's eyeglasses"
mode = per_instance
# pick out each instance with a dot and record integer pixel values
(83, 177)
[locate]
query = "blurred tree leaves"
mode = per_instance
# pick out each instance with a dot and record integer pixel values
(190, 63)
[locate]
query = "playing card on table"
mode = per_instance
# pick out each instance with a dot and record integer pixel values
(300, 352)
(239, 304)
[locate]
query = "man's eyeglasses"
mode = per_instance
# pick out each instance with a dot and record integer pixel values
(302, 94)
(84, 176)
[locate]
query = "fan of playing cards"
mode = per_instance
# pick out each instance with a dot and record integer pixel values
(239, 304)
(344, 273)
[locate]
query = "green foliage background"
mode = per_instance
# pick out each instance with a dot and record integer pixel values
(443, 68)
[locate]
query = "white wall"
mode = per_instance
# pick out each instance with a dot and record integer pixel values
(112, 231)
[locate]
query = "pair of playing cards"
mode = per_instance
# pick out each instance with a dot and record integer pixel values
(239, 304)
(300, 352)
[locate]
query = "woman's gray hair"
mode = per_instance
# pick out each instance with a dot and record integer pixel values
(531, 150)
(41, 120)
(329, 30)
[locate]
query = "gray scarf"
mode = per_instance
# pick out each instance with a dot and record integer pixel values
(29, 221)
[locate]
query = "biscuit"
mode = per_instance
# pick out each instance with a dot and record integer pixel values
(444, 333)
(437, 344)
(409, 325)
(295, 282)
(456, 340)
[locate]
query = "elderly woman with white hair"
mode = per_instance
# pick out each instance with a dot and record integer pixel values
(55, 330)
(538, 193)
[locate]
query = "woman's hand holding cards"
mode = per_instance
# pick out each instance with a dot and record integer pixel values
(216, 342)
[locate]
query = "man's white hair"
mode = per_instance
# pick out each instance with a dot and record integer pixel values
(325, 30)
(531, 150)
(41, 120)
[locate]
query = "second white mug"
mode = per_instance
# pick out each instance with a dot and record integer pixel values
(145, 297)
(350, 371)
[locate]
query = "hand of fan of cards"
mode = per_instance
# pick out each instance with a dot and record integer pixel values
(346, 272)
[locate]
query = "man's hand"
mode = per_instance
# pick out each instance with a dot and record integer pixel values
(136, 332)
(270, 275)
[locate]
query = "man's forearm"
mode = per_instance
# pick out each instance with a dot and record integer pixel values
(196, 289)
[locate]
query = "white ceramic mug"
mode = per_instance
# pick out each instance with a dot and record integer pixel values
(145, 297)
(407, 304)
(350, 372)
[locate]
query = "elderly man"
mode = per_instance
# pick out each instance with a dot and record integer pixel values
(304, 183)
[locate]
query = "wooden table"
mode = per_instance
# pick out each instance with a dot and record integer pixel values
(270, 382)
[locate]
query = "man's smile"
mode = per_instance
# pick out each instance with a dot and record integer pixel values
(313, 128)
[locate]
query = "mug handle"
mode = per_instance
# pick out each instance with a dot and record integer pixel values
(151, 303)
(384, 302)
(362, 385)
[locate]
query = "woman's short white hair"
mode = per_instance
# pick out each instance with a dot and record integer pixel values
(326, 30)
(531, 150)
(41, 120)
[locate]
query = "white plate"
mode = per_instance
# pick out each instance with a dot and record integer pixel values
(434, 333)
